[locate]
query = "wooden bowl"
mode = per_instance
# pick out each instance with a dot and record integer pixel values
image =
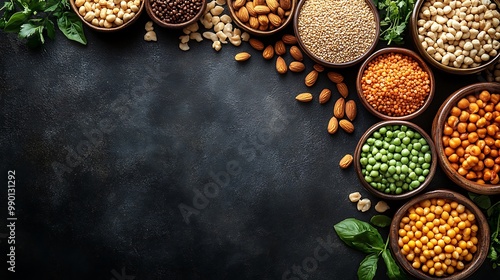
(483, 235)
(437, 132)
(450, 69)
(112, 29)
(157, 20)
(257, 32)
(319, 58)
(421, 63)
(358, 166)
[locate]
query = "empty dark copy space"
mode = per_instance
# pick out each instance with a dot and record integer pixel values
(110, 141)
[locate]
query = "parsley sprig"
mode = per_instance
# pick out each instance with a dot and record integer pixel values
(394, 17)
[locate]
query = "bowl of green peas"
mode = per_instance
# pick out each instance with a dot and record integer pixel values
(395, 159)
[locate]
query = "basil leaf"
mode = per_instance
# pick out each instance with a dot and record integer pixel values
(368, 267)
(71, 26)
(15, 21)
(367, 242)
(381, 220)
(393, 270)
(51, 33)
(359, 235)
(482, 201)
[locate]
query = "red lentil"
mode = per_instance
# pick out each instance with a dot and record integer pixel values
(395, 85)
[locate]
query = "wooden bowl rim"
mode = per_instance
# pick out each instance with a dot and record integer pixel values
(422, 64)
(432, 61)
(256, 32)
(437, 132)
(481, 221)
(163, 24)
(330, 64)
(368, 133)
(103, 29)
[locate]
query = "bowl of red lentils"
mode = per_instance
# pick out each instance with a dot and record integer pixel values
(108, 15)
(466, 131)
(175, 14)
(395, 84)
(337, 34)
(439, 235)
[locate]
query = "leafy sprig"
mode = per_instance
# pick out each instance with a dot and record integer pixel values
(394, 17)
(32, 20)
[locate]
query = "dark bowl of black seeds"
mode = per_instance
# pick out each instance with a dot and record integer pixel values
(175, 14)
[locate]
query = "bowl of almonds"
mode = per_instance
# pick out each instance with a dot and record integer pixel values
(262, 17)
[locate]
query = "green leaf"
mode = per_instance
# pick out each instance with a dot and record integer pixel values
(393, 270)
(15, 21)
(482, 201)
(71, 26)
(51, 33)
(381, 220)
(27, 30)
(359, 235)
(368, 267)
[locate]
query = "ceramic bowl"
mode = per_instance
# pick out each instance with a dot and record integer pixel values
(156, 19)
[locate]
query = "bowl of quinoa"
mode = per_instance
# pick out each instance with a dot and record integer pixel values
(337, 33)
(395, 84)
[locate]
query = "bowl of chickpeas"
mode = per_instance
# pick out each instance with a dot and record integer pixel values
(395, 84)
(108, 15)
(466, 132)
(395, 160)
(439, 235)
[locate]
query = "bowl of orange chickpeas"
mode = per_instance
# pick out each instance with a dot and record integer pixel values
(466, 132)
(440, 235)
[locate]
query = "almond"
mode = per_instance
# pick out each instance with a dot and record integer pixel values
(268, 52)
(304, 97)
(255, 43)
(285, 4)
(296, 53)
(262, 9)
(345, 161)
(281, 65)
(273, 5)
(274, 19)
(242, 56)
(250, 9)
(296, 66)
(343, 90)
(263, 22)
(339, 107)
(238, 4)
(335, 77)
(279, 47)
(333, 125)
(243, 15)
(311, 78)
(351, 110)
(253, 22)
(324, 96)
(318, 67)
(347, 126)
(289, 39)
(259, 2)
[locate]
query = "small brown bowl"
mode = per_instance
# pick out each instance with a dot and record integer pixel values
(358, 153)
(438, 129)
(450, 69)
(257, 32)
(483, 235)
(157, 20)
(422, 65)
(111, 29)
(333, 62)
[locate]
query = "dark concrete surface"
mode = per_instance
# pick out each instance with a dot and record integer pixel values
(110, 140)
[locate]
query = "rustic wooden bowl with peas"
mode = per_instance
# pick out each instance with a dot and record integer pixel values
(395, 84)
(395, 159)
(459, 37)
(175, 14)
(466, 132)
(439, 235)
(108, 15)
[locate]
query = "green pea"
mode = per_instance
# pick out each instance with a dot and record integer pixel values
(398, 169)
(421, 160)
(390, 156)
(410, 133)
(386, 145)
(371, 161)
(405, 152)
(406, 140)
(374, 150)
(399, 184)
(403, 128)
(405, 169)
(389, 134)
(392, 162)
(378, 143)
(418, 170)
(382, 130)
(370, 141)
(387, 191)
(368, 179)
(377, 156)
(401, 135)
(377, 135)
(428, 157)
(426, 165)
(365, 148)
(417, 146)
(425, 172)
(399, 191)
(412, 165)
(421, 179)
(396, 141)
(392, 187)
(374, 185)
(392, 169)
(422, 141)
(374, 173)
(417, 135)
(414, 184)
(398, 149)
(405, 186)
(397, 157)
(391, 148)
(384, 167)
(369, 167)
(414, 159)
(414, 152)
(376, 166)
(425, 148)
(412, 175)
(402, 176)
(404, 160)
(384, 158)
(363, 161)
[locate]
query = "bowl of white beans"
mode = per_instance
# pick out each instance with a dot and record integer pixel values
(458, 37)
(108, 15)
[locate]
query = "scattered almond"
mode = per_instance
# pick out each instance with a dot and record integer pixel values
(350, 110)
(343, 90)
(311, 78)
(318, 67)
(296, 66)
(279, 47)
(339, 108)
(335, 77)
(346, 125)
(333, 125)
(256, 44)
(304, 97)
(289, 39)
(296, 53)
(281, 65)
(346, 161)
(324, 96)
(242, 56)
(268, 52)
